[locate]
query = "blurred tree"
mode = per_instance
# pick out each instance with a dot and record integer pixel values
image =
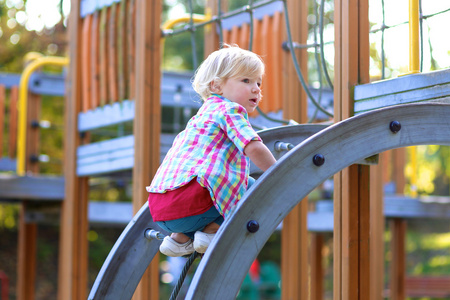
(16, 40)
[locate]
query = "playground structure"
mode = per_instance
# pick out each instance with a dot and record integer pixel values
(113, 93)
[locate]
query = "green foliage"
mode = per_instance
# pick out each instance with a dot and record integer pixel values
(432, 169)
(8, 215)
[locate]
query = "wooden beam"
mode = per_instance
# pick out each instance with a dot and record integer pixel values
(398, 259)
(26, 267)
(26, 263)
(351, 192)
(316, 266)
(294, 235)
(73, 258)
(147, 121)
(377, 226)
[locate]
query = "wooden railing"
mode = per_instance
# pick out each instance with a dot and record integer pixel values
(8, 126)
(107, 48)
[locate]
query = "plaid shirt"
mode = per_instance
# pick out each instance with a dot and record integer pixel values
(211, 148)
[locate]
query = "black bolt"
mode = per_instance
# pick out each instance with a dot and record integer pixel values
(318, 159)
(395, 126)
(34, 124)
(34, 158)
(252, 226)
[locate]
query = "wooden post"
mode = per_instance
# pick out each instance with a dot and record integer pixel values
(316, 266)
(147, 121)
(398, 260)
(377, 225)
(294, 235)
(351, 191)
(26, 267)
(72, 273)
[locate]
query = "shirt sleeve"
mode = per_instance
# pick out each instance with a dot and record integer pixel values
(237, 127)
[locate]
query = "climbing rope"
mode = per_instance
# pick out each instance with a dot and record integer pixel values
(152, 234)
(186, 267)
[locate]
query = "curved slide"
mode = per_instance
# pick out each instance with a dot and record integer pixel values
(313, 160)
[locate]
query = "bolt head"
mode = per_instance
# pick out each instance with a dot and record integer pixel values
(395, 126)
(318, 159)
(252, 226)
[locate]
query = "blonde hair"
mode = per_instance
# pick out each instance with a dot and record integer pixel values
(228, 62)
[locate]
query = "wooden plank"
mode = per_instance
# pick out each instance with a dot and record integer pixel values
(7, 164)
(109, 213)
(26, 263)
(147, 121)
(47, 188)
(316, 266)
(428, 286)
(112, 54)
(294, 236)
(33, 134)
(106, 115)
(131, 33)
(244, 36)
(277, 58)
(107, 156)
(351, 273)
(73, 254)
(95, 61)
(398, 259)
(47, 84)
(402, 84)
(404, 89)
(86, 63)
(13, 119)
(104, 50)
(2, 116)
(423, 207)
(411, 96)
(377, 228)
(122, 51)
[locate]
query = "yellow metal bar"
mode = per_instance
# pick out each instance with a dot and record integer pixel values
(414, 64)
(184, 19)
(23, 93)
(413, 183)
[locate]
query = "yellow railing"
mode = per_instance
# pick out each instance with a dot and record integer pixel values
(185, 19)
(23, 93)
(414, 53)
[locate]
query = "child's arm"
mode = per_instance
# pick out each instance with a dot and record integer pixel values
(259, 154)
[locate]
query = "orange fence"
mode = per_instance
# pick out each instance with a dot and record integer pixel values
(107, 53)
(267, 41)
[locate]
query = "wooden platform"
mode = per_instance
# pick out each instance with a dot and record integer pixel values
(39, 188)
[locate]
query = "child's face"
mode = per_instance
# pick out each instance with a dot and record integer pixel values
(245, 91)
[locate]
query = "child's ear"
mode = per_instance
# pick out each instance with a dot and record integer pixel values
(215, 87)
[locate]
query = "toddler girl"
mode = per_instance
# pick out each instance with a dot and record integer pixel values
(206, 171)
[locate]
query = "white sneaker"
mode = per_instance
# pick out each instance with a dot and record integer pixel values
(170, 247)
(202, 241)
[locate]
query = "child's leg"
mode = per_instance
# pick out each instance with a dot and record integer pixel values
(211, 228)
(180, 237)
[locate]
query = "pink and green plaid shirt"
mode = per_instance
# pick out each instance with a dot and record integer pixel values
(211, 148)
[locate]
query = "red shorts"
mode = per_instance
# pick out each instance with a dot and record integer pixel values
(189, 200)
